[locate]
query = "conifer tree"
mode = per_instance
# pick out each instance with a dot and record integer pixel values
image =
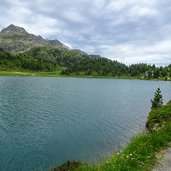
(157, 101)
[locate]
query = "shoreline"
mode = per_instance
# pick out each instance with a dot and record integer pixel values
(140, 153)
(57, 74)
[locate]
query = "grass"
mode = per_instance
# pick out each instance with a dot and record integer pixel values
(140, 153)
(14, 73)
(158, 116)
(31, 73)
(57, 73)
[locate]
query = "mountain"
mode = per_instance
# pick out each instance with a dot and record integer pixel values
(35, 53)
(17, 39)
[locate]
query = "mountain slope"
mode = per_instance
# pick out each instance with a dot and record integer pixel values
(19, 62)
(17, 39)
(38, 54)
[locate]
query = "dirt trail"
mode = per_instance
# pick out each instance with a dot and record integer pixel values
(164, 161)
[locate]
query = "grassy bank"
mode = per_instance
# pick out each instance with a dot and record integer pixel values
(140, 153)
(30, 73)
(57, 73)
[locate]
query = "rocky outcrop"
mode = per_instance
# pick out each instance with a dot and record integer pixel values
(17, 39)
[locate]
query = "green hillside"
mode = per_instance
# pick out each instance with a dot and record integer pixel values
(14, 62)
(21, 50)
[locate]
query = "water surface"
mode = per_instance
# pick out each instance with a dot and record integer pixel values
(45, 121)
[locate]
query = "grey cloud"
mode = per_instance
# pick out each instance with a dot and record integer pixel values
(115, 29)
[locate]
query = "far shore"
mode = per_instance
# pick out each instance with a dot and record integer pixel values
(57, 74)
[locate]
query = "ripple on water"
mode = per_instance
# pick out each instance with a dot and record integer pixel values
(45, 121)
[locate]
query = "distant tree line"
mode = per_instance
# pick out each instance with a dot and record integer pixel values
(149, 71)
(77, 62)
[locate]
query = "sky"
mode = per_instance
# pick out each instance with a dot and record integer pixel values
(129, 31)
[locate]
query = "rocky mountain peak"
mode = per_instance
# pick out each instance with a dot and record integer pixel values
(17, 39)
(14, 29)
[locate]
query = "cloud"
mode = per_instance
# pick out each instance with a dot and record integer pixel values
(130, 31)
(158, 53)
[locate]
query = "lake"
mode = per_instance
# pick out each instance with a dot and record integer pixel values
(46, 121)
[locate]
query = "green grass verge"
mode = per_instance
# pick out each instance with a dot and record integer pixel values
(30, 73)
(57, 73)
(14, 73)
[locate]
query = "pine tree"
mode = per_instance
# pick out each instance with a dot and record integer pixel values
(157, 100)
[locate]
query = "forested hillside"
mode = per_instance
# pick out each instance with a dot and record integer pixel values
(12, 62)
(21, 50)
(77, 63)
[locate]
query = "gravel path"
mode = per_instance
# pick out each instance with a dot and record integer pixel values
(165, 161)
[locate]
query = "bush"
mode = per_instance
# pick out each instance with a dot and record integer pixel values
(159, 116)
(69, 165)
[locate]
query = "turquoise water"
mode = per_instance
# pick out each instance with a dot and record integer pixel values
(46, 121)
